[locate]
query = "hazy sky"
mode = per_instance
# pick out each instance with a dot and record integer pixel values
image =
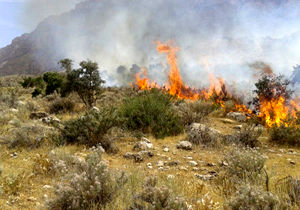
(21, 16)
(10, 11)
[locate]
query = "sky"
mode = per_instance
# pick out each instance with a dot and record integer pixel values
(22, 16)
(10, 11)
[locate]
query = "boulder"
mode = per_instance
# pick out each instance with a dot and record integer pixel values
(237, 116)
(186, 145)
(144, 144)
(202, 134)
(138, 157)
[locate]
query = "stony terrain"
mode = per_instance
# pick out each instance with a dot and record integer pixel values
(27, 179)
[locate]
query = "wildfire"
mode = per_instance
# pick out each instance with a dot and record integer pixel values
(273, 112)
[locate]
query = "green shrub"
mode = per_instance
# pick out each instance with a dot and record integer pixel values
(250, 197)
(61, 105)
(151, 112)
(30, 82)
(285, 135)
(36, 92)
(55, 82)
(91, 184)
(153, 197)
(91, 129)
(195, 111)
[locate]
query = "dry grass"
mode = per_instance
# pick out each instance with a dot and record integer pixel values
(23, 177)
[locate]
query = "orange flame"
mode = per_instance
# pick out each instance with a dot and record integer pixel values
(272, 112)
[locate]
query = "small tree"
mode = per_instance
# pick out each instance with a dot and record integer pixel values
(271, 87)
(86, 81)
(66, 64)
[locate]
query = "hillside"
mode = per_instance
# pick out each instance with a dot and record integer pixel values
(204, 172)
(38, 51)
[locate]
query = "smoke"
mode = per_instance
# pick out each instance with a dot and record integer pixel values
(218, 37)
(261, 68)
(36, 10)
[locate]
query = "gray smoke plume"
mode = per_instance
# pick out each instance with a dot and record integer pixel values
(217, 37)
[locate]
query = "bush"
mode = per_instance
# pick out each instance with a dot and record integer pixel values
(151, 112)
(61, 105)
(91, 129)
(285, 135)
(36, 92)
(248, 136)
(249, 197)
(92, 184)
(28, 137)
(55, 82)
(10, 97)
(245, 164)
(153, 197)
(290, 189)
(30, 82)
(191, 112)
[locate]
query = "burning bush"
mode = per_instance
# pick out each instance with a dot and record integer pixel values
(272, 99)
(91, 129)
(151, 112)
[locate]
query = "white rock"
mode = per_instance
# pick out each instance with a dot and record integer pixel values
(170, 176)
(47, 187)
(160, 163)
(166, 149)
(186, 145)
(193, 163)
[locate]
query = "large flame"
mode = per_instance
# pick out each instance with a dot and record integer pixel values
(273, 112)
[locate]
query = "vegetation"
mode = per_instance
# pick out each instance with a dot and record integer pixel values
(91, 129)
(249, 197)
(289, 135)
(90, 185)
(194, 112)
(86, 147)
(153, 197)
(86, 82)
(271, 87)
(248, 136)
(61, 105)
(151, 112)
